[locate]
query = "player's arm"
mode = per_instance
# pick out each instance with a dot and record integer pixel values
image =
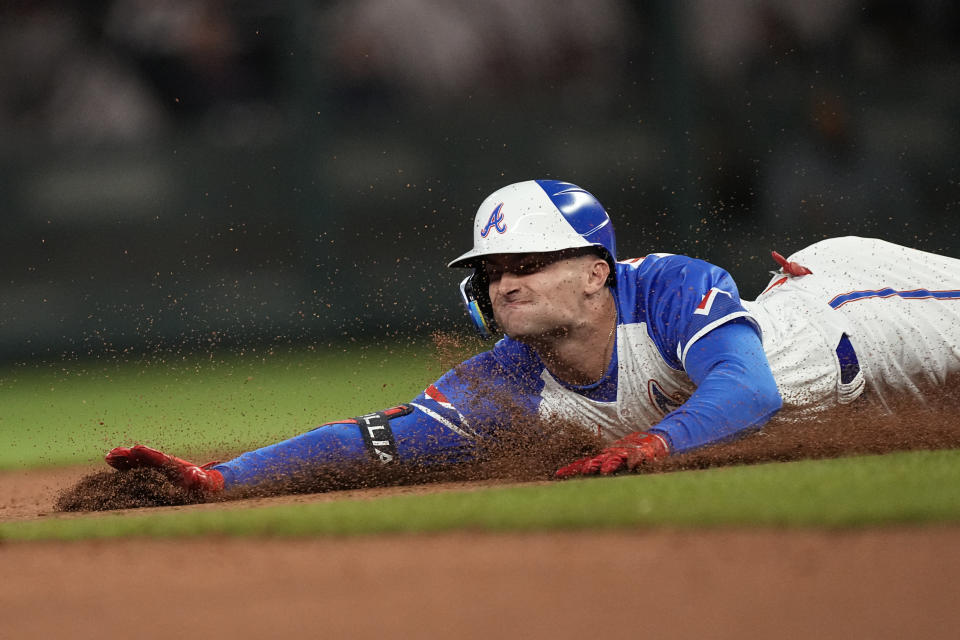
(403, 434)
(704, 330)
(699, 326)
(735, 390)
(428, 430)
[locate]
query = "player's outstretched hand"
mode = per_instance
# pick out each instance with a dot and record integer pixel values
(187, 474)
(628, 453)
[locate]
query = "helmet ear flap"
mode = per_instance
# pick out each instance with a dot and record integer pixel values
(475, 292)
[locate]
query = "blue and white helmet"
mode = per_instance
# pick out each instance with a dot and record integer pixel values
(539, 216)
(536, 216)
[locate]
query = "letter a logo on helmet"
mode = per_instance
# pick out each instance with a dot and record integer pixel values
(495, 222)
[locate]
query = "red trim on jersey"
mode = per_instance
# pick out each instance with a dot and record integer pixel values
(703, 309)
(705, 300)
(776, 284)
(434, 394)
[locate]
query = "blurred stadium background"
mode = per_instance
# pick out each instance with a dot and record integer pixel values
(178, 174)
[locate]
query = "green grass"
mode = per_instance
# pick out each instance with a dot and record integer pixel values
(72, 412)
(896, 489)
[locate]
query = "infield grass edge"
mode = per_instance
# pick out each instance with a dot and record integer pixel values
(920, 487)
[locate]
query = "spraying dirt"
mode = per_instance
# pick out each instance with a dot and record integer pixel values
(533, 450)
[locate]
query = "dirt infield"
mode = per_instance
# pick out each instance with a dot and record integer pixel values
(886, 583)
(723, 584)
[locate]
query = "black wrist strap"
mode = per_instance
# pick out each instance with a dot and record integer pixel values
(377, 435)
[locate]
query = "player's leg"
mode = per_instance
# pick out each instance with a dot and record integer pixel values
(902, 304)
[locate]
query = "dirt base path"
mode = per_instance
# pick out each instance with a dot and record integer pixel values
(30, 493)
(725, 584)
(888, 583)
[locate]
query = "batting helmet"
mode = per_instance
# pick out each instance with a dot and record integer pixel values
(537, 216)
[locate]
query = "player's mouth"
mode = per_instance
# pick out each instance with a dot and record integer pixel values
(510, 307)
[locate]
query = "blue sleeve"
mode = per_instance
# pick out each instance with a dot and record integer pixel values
(735, 389)
(446, 419)
(418, 436)
(685, 299)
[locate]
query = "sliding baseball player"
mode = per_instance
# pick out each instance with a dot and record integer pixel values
(658, 355)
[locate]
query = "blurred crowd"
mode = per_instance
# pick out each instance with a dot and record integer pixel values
(129, 71)
(135, 70)
(795, 90)
(123, 69)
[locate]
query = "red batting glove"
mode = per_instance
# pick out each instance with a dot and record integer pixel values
(185, 473)
(628, 452)
(790, 268)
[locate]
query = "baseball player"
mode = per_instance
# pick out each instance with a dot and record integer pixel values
(658, 355)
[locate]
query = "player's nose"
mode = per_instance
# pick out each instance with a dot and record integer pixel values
(508, 283)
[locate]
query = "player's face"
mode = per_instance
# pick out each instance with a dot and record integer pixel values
(537, 294)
